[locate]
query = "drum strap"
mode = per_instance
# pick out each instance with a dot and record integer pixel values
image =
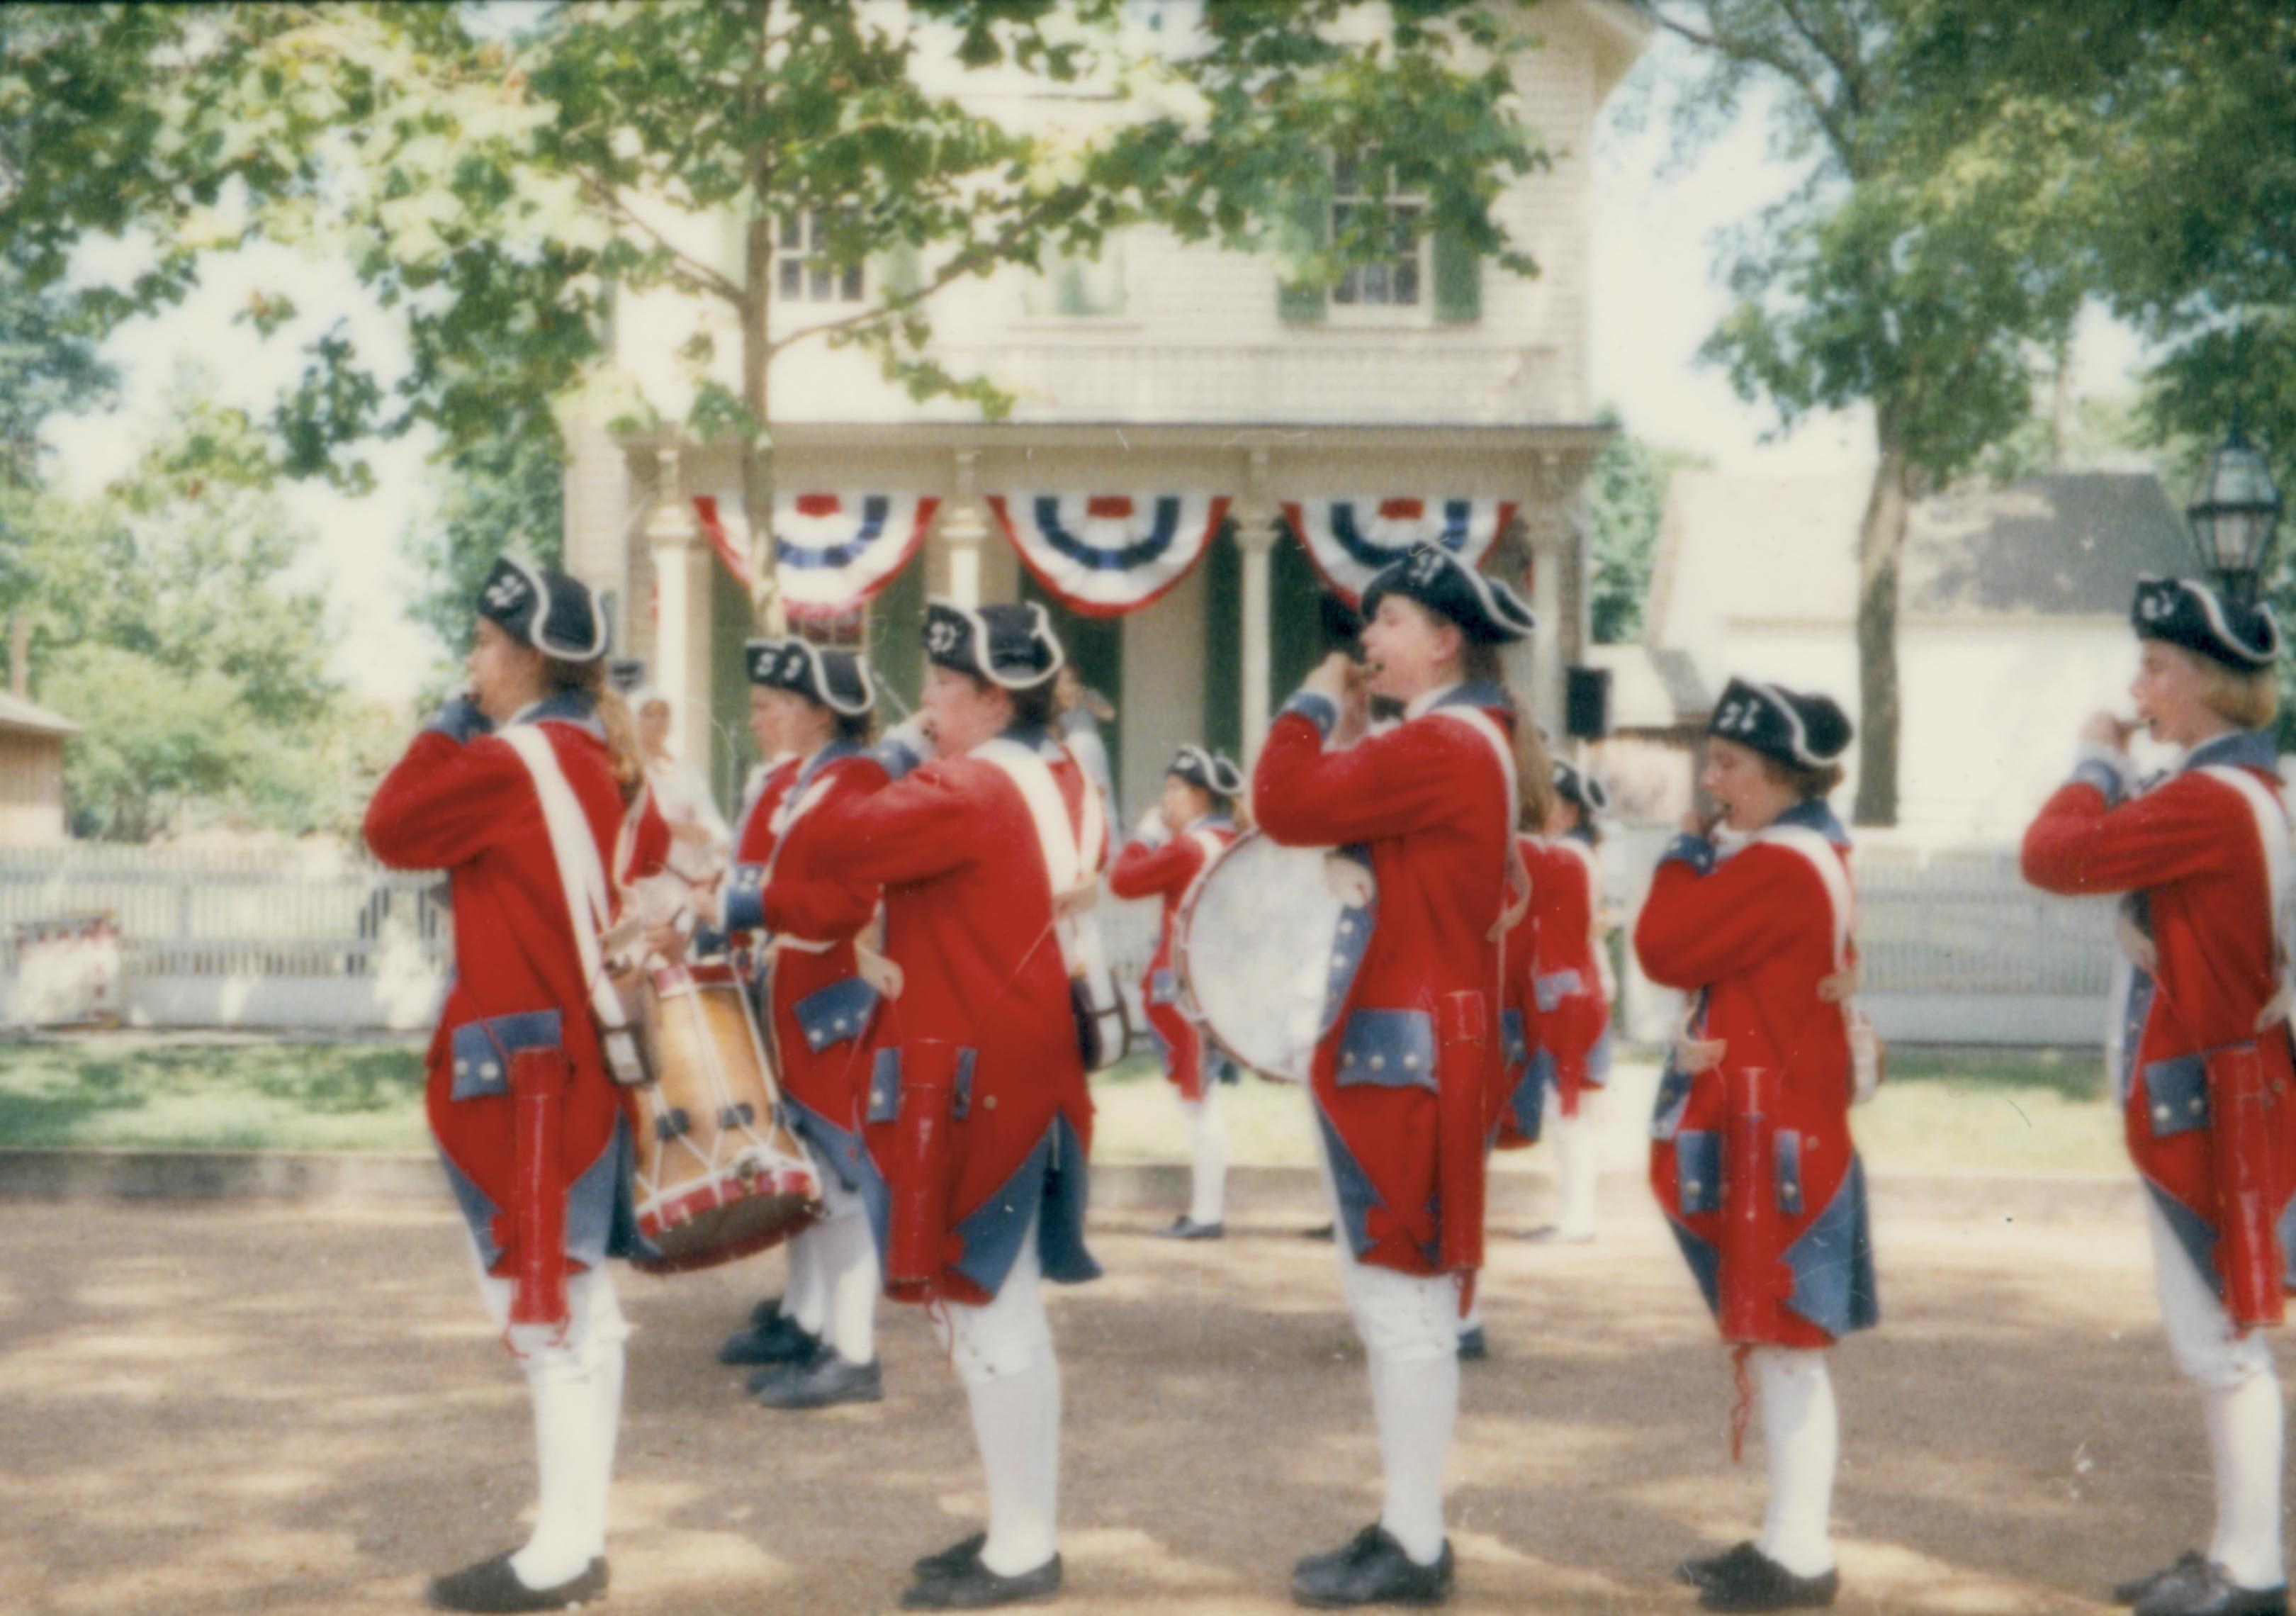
(582, 877)
(2270, 813)
(1514, 878)
(1057, 838)
(807, 792)
(1824, 858)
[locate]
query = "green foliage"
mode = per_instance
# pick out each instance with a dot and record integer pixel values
(495, 192)
(163, 622)
(1625, 500)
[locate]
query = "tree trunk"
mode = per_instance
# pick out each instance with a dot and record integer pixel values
(757, 305)
(1881, 542)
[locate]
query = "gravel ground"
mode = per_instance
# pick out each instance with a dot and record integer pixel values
(248, 1408)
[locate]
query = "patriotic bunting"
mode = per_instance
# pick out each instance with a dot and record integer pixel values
(1349, 540)
(833, 552)
(1106, 555)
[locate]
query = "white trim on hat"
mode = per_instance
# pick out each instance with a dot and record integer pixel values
(750, 650)
(2212, 607)
(1516, 614)
(813, 656)
(971, 614)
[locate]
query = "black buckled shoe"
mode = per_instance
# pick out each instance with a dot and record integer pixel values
(2186, 1567)
(1474, 1346)
(971, 1586)
(1370, 1569)
(781, 1340)
(951, 1560)
(492, 1586)
(1696, 1570)
(766, 1311)
(813, 1353)
(1184, 1227)
(2211, 1592)
(826, 1382)
(1745, 1579)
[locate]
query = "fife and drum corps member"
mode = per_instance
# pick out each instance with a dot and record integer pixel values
(1752, 1159)
(1403, 1079)
(1190, 826)
(2200, 1042)
(821, 1349)
(528, 791)
(977, 1121)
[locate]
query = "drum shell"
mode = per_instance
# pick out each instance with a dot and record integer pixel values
(719, 1176)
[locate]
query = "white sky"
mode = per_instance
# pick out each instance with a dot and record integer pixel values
(1652, 246)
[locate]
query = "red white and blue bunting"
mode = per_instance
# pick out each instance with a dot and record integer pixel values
(1106, 555)
(833, 552)
(1350, 540)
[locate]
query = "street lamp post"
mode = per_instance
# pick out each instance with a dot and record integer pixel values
(2235, 514)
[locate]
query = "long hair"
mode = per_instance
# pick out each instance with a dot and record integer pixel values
(589, 679)
(1534, 769)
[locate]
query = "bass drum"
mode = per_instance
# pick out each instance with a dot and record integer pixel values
(1256, 940)
(718, 1177)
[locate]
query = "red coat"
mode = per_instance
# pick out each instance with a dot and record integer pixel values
(969, 921)
(469, 808)
(820, 1008)
(1430, 799)
(1170, 871)
(1751, 935)
(1521, 1100)
(2190, 849)
(1574, 1012)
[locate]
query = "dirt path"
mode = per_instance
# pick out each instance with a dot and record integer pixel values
(242, 1409)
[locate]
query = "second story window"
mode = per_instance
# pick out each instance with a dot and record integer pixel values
(804, 273)
(1392, 281)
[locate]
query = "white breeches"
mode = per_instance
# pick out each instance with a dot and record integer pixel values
(575, 1380)
(2241, 1406)
(1409, 1325)
(1003, 1352)
(833, 1278)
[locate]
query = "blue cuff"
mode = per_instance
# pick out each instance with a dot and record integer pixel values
(706, 942)
(1695, 851)
(461, 721)
(896, 757)
(745, 898)
(1317, 709)
(2096, 772)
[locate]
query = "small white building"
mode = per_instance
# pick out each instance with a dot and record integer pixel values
(1418, 389)
(2012, 619)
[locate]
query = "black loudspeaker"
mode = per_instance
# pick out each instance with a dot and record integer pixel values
(1586, 703)
(624, 674)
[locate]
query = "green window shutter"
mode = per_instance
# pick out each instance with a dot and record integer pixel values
(1304, 231)
(1458, 279)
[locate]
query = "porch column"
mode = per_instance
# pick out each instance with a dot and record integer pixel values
(1255, 538)
(964, 530)
(682, 561)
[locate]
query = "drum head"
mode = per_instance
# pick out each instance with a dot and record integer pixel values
(1255, 953)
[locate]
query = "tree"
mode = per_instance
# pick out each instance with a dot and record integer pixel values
(1626, 501)
(498, 193)
(1910, 270)
(163, 624)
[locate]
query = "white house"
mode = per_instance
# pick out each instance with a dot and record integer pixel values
(2013, 617)
(1166, 393)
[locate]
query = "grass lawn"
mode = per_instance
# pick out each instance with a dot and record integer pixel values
(1980, 1110)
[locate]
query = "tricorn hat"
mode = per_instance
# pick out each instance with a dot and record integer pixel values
(557, 614)
(1010, 646)
(2180, 611)
(1805, 730)
(1486, 610)
(1207, 771)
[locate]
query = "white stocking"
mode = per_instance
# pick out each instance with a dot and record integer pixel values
(2245, 1423)
(1802, 1437)
(806, 1298)
(1575, 1171)
(1415, 1402)
(1207, 1157)
(1003, 1356)
(847, 1263)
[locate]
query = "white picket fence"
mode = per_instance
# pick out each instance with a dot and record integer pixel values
(1958, 949)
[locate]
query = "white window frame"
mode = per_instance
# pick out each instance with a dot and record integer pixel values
(797, 256)
(1341, 309)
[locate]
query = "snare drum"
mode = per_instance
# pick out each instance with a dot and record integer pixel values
(1265, 942)
(718, 1177)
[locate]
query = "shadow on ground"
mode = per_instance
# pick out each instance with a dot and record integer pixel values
(223, 1410)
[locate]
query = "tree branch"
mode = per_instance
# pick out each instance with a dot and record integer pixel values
(997, 250)
(702, 276)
